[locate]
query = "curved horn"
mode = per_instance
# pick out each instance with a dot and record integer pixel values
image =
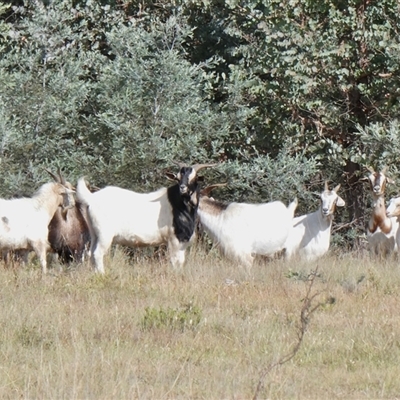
(385, 169)
(55, 177)
(326, 185)
(370, 169)
(198, 167)
(62, 179)
(179, 164)
(207, 190)
(336, 188)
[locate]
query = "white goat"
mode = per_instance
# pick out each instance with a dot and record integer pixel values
(133, 219)
(393, 212)
(24, 222)
(243, 230)
(311, 233)
(382, 230)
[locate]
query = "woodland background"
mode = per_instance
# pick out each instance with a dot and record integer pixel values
(284, 94)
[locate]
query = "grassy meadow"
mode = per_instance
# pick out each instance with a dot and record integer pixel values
(145, 331)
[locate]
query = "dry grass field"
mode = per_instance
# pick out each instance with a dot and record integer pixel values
(144, 331)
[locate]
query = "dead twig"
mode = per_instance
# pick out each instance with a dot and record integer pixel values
(307, 309)
(357, 222)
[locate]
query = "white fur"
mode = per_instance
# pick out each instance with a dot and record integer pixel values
(311, 233)
(24, 222)
(121, 216)
(393, 212)
(244, 230)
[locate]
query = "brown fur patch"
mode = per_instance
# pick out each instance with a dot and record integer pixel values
(379, 218)
(213, 207)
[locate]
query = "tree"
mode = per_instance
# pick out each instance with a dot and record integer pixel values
(113, 94)
(311, 76)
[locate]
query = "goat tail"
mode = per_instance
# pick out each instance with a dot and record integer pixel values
(83, 194)
(292, 207)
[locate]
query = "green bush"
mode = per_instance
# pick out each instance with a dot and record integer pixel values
(184, 318)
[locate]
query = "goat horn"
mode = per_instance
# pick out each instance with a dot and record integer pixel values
(207, 190)
(179, 164)
(55, 177)
(385, 169)
(326, 185)
(336, 188)
(62, 179)
(370, 169)
(198, 167)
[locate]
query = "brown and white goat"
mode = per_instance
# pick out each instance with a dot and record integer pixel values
(69, 235)
(121, 216)
(381, 230)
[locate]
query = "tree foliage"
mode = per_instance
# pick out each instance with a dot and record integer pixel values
(284, 94)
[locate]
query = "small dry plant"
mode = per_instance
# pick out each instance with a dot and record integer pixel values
(307, 310)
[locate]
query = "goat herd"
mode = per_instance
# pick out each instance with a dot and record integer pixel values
(64, 220)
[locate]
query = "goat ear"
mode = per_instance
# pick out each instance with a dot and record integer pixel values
(340, 202)
(170, 176)
(93, 188)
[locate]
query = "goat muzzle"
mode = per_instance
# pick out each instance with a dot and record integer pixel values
(183, 189)
(325, 212)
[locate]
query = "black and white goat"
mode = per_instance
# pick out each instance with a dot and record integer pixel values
(69, 234)
(121, 216)
(24, 222)
(243, 230)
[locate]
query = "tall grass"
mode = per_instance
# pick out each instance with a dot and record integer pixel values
(146, 331)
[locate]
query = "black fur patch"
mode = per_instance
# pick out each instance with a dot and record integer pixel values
(184, 211)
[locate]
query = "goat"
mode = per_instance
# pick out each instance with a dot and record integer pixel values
(393, 211)
(121, 216)
(24, 222)
(311, 233)
(381, 230)
(69, 234)
(244, 230)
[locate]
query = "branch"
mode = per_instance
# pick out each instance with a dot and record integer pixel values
(355, 222)
(307, 309)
